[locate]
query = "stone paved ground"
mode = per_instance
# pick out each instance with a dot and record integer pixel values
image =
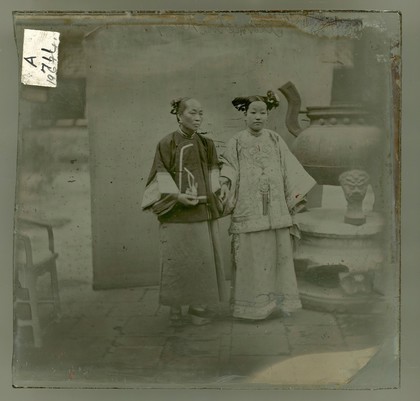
(122, 338)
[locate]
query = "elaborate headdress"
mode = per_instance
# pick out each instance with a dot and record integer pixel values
(242, 103)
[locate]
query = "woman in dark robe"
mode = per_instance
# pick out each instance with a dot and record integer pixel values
(182, 191)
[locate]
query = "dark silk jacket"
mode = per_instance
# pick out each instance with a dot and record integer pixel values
(179, 163)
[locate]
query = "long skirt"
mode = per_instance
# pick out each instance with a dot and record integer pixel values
(191, 264)
(264, 278)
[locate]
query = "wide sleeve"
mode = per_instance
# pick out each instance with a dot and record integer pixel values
(214, 170)
(230, 163)
(160, 185)
(297, 182)
(230, 170)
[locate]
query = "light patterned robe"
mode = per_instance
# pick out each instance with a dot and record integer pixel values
(264, 277)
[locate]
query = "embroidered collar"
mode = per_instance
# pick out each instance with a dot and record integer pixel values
(256, 134)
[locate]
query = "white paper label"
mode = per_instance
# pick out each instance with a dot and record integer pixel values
(40, 58)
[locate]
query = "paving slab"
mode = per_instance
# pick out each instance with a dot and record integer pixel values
(146, 356)
(149, 305)
(192, 347)
(119, 375)
(199, 375)
(249, 366)
(127, 309)
(267, 344)
(86, 309)
(148, 325)
(97, 327)
(263, 327)
(307, 317)
(139, 341)
(360, 325)
(67, 353)
(212, 330)
(365, 341)
(297, 349)
(173, 359)
(60, 329)
(317, 335)
(225, 343)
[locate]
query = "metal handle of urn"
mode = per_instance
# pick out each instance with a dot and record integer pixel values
(293, 107)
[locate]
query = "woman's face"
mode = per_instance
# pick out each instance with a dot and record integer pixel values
(192, 117)
(256, 116)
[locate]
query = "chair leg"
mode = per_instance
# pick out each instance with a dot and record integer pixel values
(55, 290)
(33, 302)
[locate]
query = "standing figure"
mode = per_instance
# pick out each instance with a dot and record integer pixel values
(181, 191)
(264, 184)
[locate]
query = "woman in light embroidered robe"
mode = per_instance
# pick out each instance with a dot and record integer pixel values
(181, 191)
(265, 185)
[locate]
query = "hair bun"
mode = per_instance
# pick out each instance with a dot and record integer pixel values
(241, 103)
(175, 105)
(272, 100)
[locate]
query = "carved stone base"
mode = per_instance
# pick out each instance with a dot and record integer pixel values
(356, 221)
(336, 300)
(356, 283)
(337, 261)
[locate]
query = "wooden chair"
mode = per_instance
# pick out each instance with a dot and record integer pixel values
(31, 262)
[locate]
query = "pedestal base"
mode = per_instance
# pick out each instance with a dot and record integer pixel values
(335, 300)
(336, 262)
(356, 221)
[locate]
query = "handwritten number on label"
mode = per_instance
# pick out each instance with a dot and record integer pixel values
(50, 51)
(51, 59)
(51, 79)
(40, 58)
(51, 69)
